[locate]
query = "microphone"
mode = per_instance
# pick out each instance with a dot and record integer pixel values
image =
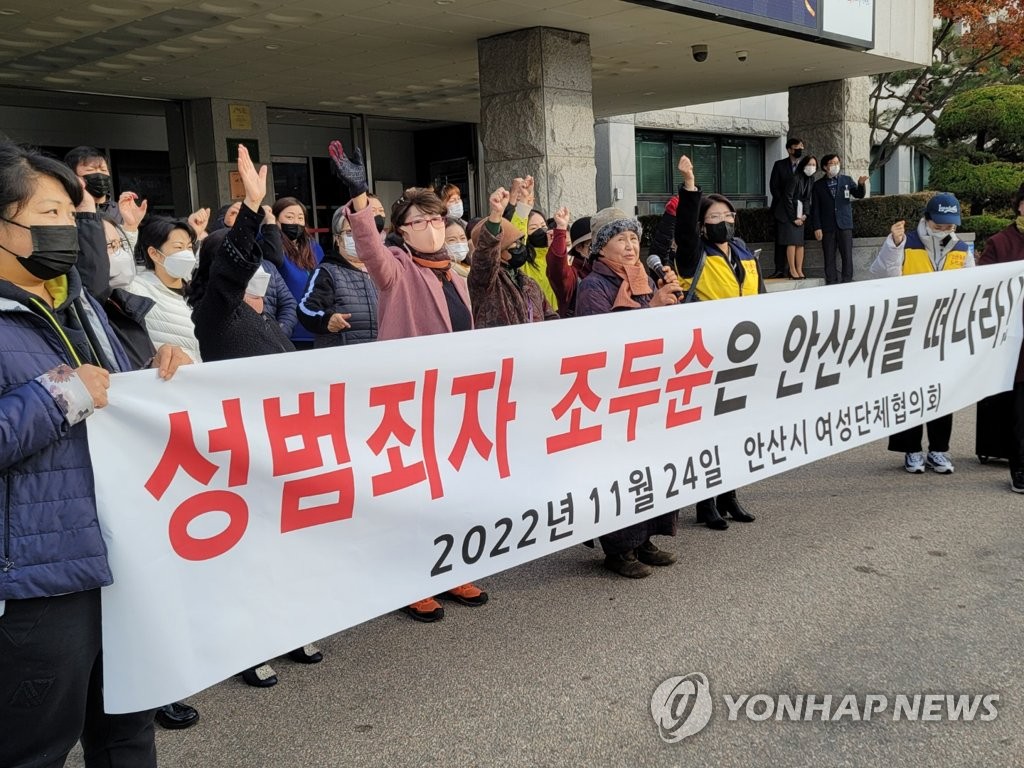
(654, 264)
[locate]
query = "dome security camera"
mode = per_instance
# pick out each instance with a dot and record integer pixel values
(699, 52)
(742, 55)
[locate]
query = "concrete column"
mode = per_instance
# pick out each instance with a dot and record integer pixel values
(209, 124)
(616, 162)
(832, 117)
(537, 115)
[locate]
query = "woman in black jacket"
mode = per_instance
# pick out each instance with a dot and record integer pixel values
(229, 327)
(792, 214)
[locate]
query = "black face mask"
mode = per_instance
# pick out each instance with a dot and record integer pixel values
(380, 222)
(54, 250)
(719, 232)
(98, 185)
(292, 231)
(516, 256)
(539, 238)
(798, 153)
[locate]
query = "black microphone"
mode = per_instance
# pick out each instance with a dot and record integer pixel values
(654, 264)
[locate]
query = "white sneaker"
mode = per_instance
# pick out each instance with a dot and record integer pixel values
(939, 462)
(914, 463)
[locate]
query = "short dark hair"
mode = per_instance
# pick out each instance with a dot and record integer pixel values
(20, 167)
(792, 141)
(423, 198)
(804, 161)
(154, 233)
(79, 155)
(826, 159)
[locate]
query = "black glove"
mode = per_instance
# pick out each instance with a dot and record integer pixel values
(351, 171)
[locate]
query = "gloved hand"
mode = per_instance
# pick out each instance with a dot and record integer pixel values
(350, 170)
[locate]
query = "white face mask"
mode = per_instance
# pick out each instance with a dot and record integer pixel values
(122, 268)
(258, 284)
(810, 170)
(456, 209)
(833, 171)
(458, 251)
(349, 244)
(180, 264)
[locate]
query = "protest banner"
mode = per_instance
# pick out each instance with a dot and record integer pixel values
(256, 505)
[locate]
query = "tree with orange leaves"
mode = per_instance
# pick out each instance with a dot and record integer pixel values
(975, 43)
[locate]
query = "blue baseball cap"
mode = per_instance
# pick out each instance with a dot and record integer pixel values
(944, 208)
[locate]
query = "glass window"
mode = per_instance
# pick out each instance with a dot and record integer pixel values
(652, 158)
(922, 170)
(877, 175)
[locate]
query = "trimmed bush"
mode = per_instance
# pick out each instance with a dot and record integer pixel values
(983, 228)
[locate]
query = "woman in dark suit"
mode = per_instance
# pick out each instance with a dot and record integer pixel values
(793, 213)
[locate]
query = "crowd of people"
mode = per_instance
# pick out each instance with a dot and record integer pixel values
(92, 284)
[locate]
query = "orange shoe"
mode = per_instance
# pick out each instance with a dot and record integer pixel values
(427, 610)
(467, 594)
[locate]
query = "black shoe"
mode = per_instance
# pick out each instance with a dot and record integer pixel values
(729, 505)
(1017, 480)
(176, 716)
(777, 275)
(307, 654)
(649, 554)
(627, 565)
(262, 676)
(707, 513)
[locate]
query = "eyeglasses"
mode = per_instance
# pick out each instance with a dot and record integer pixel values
(714, 218)
(418, 225)
(113, 246)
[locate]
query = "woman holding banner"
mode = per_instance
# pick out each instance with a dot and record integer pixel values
(715, 264)
(618, 282)
(58, 354)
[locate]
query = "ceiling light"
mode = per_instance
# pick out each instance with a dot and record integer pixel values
(9, 11)
(444, 2)
(147, 79)
(272, 46)
(664, 42)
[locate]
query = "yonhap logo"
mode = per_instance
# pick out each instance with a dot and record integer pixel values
(681, 707)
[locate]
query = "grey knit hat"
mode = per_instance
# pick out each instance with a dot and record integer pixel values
(607, 223)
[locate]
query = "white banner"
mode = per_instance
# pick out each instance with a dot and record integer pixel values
(256, 505)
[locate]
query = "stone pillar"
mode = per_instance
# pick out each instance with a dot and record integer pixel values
(832, 117)
(616, 162)
(210, 125)
(537, 115)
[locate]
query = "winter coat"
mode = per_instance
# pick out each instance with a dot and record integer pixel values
(227, 328)
(502, 296)
(597, 291)
(411, 300)
(279, 304)
(336, 286)
(170, 319)
(1004, 246)
(50, 539)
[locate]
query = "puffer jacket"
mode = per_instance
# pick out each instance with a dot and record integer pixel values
(50, 539)
(278, 303)
(338, 287)
(170, 319)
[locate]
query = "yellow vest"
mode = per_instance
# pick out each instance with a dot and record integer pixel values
(718, 281)
(916, 260)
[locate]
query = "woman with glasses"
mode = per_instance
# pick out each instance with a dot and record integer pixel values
(714, 264)
(419, 292)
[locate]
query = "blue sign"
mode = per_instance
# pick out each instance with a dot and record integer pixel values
(803, 13)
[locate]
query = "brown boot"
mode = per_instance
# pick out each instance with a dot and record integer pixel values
(627, 565)
(649, 554)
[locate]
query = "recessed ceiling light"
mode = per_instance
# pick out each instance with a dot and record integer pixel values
(444, 2)
(329, 103)
(147, 79)
(649, 93)
(808, 69)
(9, 11)
(664, 42)
(272, 46)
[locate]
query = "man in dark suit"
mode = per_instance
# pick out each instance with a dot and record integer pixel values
(782, 174)
(832, 217)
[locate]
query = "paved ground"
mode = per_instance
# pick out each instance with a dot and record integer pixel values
(857, 578)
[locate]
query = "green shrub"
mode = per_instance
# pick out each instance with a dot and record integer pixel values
(983, 228)
(988, 185)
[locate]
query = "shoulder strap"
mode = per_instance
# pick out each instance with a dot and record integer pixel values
(692, 292)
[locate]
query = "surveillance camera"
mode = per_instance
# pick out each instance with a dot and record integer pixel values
(742, 55)
(700, 53)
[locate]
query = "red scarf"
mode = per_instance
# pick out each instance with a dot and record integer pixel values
(634, 283)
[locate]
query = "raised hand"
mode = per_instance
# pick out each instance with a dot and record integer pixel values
(351, 170)
(863, 180)
(686, 171)
(254, 182)
(562, 217)
(528, 192)
(497, 201)
(268, 215)
(516, 190)
(199, 220)
(898, 231)
(132, 213)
